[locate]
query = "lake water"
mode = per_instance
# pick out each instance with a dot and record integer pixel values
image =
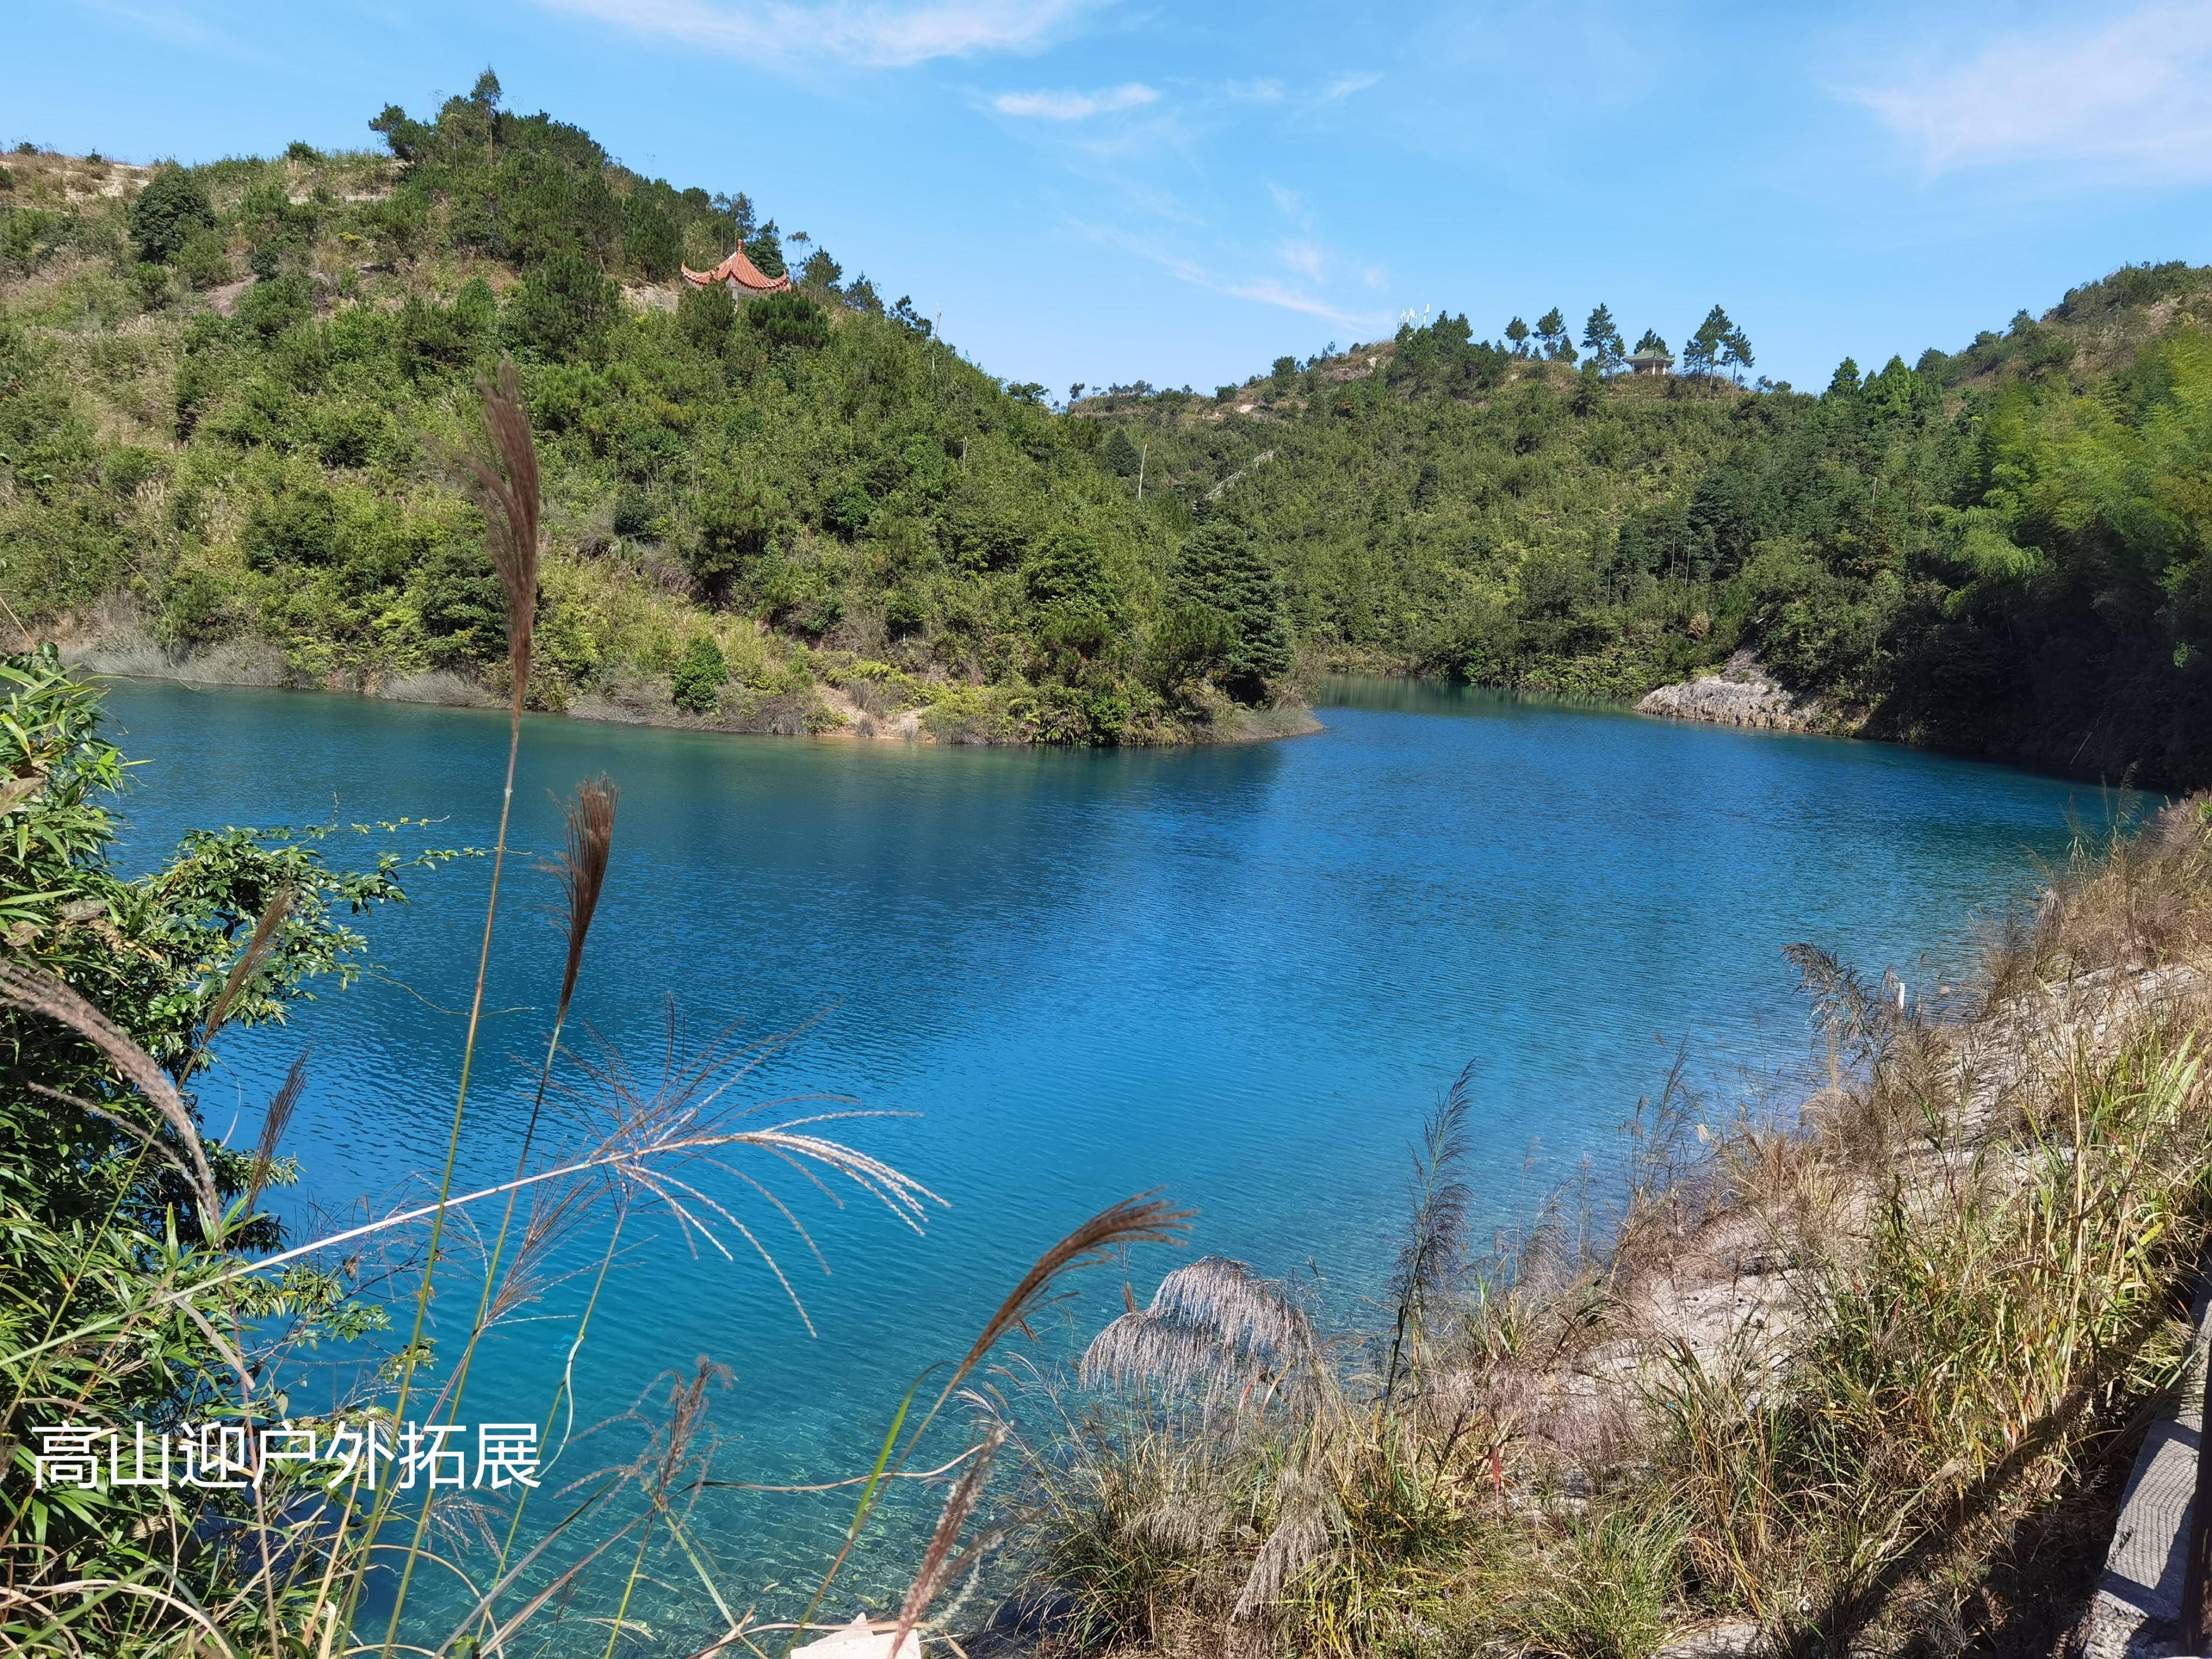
(1240, 974)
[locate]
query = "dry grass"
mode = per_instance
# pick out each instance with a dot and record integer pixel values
(1862, 1384)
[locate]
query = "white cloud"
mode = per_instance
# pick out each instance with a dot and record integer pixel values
(1344, 86)
(1267, 291)
(1288, 202)
(1263, 290)
(163, 21)
(872, 33)
(1074, 106)
(1303, 257)
(1264, 91)
(2133, 95)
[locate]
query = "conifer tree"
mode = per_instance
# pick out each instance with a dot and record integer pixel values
(1119, 453)
(1735, 352)
(1517, 331)
(1226, 573)
(1708, 344)
(1601, 339)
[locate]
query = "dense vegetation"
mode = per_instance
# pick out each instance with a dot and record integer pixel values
(2003, 550)
(115, 1215)
(229, 394)
(233, 394)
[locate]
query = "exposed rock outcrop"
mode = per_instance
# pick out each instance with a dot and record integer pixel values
(1742, 694)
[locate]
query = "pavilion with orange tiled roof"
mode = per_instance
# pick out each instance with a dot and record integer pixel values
(740, 270)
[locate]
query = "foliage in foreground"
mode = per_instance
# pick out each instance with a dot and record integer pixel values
(145, 1283)
(1955, 1287)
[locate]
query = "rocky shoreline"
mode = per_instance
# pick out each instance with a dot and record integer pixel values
(823, 710)
(1741, 693)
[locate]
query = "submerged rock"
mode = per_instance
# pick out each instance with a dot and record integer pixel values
(862, 1640)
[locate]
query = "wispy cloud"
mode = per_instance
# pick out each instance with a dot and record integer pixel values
(1074, 106)
(2136, 92)
(1305, 258)
(1345, 86)
(870, 33)
(1259, 290)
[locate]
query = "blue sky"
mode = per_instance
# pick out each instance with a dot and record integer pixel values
(1108, 189)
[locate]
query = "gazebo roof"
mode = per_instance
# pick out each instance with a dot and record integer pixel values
(739, 269)
(1651, 357)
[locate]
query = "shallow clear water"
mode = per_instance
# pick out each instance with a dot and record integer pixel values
(1240, 974)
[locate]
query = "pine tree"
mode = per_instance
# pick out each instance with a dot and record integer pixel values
(1119, 453)
(1517, 331)
(1735, 352)
(765, 250)
(1226, 574)
(1707, 344)
(1601, 339)
(1552, 331)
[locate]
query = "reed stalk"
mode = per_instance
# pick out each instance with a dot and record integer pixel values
(506, 488)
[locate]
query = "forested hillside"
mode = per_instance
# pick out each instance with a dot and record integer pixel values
(231, 397)
(2002, 550)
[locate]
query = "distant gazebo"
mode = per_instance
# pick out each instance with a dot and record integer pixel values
(740, 273)
(1651, 363)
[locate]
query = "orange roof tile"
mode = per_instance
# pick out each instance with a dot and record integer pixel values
(739, 269)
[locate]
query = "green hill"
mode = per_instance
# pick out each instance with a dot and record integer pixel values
(230, 395)
(2001, 551)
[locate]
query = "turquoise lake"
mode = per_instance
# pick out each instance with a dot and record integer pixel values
(1238, 974)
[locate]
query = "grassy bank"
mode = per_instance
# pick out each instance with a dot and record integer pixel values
(1862, 1383)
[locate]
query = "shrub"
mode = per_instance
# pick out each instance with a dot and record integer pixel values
(564, 304)
(904, 613)
(167, 214)
(706, 315)
(788, 322)
(299, 527)
(204, 260)
(699, 678)
(633, 515)
(193, 610)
